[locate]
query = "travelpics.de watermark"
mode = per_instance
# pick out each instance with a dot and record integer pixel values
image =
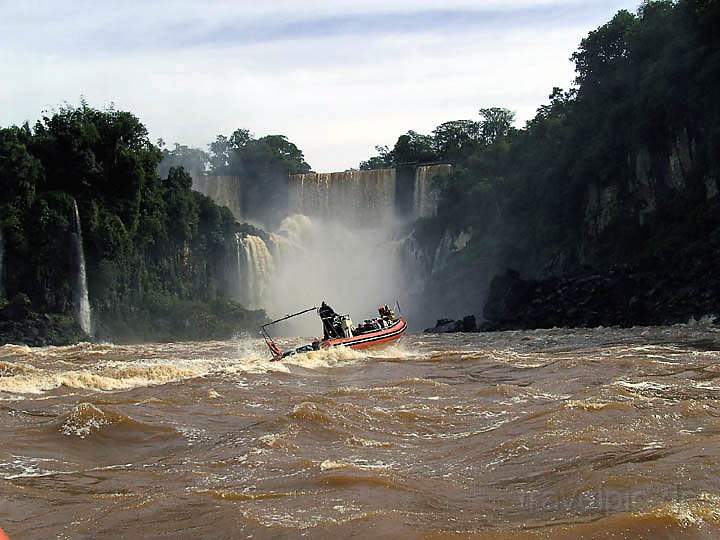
(604, 501)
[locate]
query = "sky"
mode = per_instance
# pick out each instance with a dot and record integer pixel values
(337, 77)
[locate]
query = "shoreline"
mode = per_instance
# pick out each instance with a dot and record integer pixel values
(621, 297)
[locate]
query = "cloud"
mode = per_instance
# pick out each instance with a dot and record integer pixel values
(337, 79)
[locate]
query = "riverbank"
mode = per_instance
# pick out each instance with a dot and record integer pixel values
(159, 322)
(621, 297)
(20, 325)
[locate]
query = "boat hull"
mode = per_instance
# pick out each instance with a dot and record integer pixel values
(374, 339)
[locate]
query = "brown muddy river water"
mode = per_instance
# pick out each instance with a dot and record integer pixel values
(548, 434)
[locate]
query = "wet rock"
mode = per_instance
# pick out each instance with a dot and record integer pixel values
(445, 326)
(18, 308)
(21, 326)
(506, 291)
(451, 326)
(469, 324)
(621, 296)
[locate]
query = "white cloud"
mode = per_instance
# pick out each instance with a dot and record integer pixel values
(335, 95)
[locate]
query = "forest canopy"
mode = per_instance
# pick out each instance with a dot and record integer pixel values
(149, 239)
(646, 91)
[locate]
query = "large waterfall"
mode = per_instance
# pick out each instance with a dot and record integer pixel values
(340, 243)
(82, 300)
(308, 260)
(224, 190)
(357, 198)
(425, 197)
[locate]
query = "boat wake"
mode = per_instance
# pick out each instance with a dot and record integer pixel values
(95, 368)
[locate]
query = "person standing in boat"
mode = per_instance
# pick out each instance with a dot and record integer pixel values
(329, 320)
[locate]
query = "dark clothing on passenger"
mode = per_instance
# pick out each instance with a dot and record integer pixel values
(330, 321)
(326, 311)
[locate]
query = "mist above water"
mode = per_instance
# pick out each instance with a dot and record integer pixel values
(352, 269)
(344, 241)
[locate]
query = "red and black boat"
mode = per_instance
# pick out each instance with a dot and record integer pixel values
(339, 331)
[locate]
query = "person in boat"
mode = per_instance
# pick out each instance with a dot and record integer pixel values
(330, 321)
(386, 313)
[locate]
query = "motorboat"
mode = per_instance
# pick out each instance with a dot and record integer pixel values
(339, 331)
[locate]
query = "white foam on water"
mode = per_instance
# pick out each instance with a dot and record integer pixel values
(325, 358)
(83, 420)
(644, 385)
(132, 377)
(35, 467)
(399, 351)
(15, 350)
(92, 371)
(358, 464)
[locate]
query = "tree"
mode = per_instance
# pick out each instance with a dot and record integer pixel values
(181, 207)
(495, 123)
(219, 155)
(452, 140)
(277, 152)
(195, 161)
(414, 147)
(384, 159)
(20, 172)
(239, 138)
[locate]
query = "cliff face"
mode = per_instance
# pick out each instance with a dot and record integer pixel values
(618, 176)
(648, 253)
(653, 179)
(91, 233)
(657, 185)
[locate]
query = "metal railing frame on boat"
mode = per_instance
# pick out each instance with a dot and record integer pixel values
(266, 335)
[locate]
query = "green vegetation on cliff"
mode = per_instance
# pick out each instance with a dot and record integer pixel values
(155, 249)
(260, 166)
(622, 168)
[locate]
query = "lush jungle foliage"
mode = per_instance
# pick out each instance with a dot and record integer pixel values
(645, 98)
(261, 165)
(151, 243)
(624, 166)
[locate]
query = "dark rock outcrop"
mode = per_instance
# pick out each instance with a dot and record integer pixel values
(451, 326)
(620, 297)
(444, 326)
(19, 325)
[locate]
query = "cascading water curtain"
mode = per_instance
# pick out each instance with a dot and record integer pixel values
(82, 299)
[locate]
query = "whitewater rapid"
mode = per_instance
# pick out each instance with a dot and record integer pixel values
(600, 433)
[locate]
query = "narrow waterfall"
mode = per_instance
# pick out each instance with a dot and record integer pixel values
(239, 267)
(357, 198)
(442, 253)
(82, 300)
(257, 271)
(2, 260)
(425, 197)
(450, 243)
